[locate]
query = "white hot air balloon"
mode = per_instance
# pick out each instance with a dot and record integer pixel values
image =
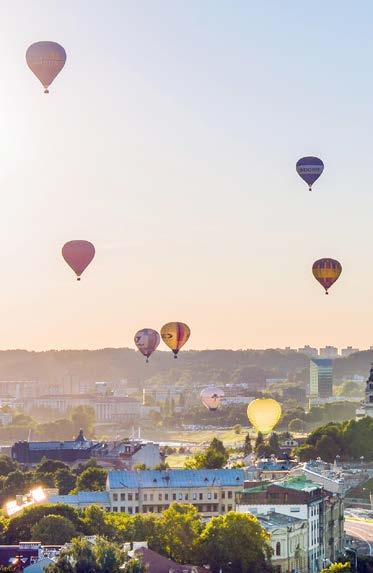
(46, 60)
(211, 397)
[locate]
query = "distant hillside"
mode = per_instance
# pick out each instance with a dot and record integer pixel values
(194, 366)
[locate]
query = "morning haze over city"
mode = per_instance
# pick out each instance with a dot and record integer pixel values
(186, 351)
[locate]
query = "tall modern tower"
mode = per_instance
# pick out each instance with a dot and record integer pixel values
(321, 378)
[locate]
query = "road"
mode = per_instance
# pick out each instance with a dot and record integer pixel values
(361, 530)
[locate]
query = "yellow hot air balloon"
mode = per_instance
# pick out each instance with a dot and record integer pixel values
(264, 414)
(175, 335)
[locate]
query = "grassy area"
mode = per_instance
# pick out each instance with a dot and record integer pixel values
(227, 436)
(176, 460)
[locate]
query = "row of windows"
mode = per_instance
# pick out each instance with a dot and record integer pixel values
(208, 508)
(175, 497)
(124, 510)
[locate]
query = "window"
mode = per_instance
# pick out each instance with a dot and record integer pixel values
(151, 497)
(180, 496)
(166, 496)
(136, 496)
(278, 549)
(194, 497)
(122, 497)
(123, 509)
(115, 497)
(223, 508)
(230, 495)
(174, 496)
(137, 509)
(159, 497)
(115, 508)
(209, 495)
(223, 494)
(186, 497)
(229, 508)
(294, 509)
(130, 497)
(201, 496)
(215, 495)
(130, 510)
(145, 497)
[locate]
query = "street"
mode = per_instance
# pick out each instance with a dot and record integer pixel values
(362, 531)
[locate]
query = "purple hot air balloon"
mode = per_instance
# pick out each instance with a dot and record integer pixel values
(310, 169)
(147, 341)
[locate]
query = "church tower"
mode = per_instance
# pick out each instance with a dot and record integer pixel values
(366, 408)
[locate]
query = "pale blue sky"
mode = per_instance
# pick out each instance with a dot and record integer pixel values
(170, 140)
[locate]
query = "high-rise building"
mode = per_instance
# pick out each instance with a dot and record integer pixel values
(309, 351)
(321, 378)
(345, 352)
(329, 352)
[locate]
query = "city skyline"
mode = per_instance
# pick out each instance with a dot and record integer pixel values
(169, 140)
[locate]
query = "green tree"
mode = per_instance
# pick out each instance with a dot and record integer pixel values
(134, 565)
(237, 428)
(218, 445)
(84, 557)
(16, 482)
(338, 568)
(140, 467)
(20, 526)
(83, 417)
(108, 556)
(7, 465)
(209, 459)
(53, 530)
(247, 447)
(65, 480)
(235, 542)
(296, 425)
(258, 442)
(92, 479)
(274, 444)
(98, 522)
(180, 526)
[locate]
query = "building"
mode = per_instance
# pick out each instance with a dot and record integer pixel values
(346, 352)
(107, 408)
(30, 453)
(159, 564)
(329, 352)
(29, 553)
(321, 378)
(127, 454)
(366, 407)
(301, 498)
(288, 541)
(309, 351)
(5, 418)
(83, 499)
(212, 492)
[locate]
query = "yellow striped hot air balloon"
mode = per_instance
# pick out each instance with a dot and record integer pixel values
(326, 272)
(264, 414)
(175, 335)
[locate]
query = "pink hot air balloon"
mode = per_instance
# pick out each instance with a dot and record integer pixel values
(78, 255)
(147, 340)
(46, 60)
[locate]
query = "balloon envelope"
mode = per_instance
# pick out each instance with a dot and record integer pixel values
(211, 397)
(78, 255)
(175, 335)
(326, 271)
(46, 60)
(310, 169)
(264, 414)
(147, 341)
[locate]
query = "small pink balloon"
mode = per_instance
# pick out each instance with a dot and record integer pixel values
(46, 60)
(78, 255)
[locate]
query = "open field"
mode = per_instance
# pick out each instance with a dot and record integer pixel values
(199, 437)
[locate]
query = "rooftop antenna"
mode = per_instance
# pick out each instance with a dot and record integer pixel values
(139, 433)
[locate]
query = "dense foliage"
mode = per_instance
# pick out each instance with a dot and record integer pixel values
(350, 440)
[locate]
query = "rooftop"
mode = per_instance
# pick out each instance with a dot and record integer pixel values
(100, 497)
(175, 478)
(298, 483)
(274, 520)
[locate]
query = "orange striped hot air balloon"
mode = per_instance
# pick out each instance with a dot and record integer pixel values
(326, 271)
(175, 335)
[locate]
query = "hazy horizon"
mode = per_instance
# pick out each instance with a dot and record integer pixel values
(169, 140)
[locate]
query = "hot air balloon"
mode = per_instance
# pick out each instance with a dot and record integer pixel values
(310, 169)
(211, 397)
(326, 271)
(147, 341)
(264, 414)
(78, 255)
(46, 60)
(175, 335)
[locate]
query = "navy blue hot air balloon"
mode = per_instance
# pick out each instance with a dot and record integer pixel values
(310, 169)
